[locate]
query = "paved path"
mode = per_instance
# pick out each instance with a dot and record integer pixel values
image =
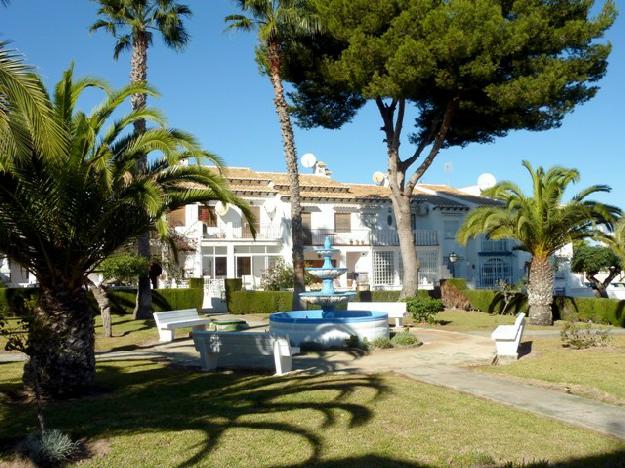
(436, 362)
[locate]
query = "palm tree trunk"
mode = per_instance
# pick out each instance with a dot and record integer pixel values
(290, 156)
(139, 74)
(61, 342)
(540, 291)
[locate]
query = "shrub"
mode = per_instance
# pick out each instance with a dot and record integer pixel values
(423, 309)
(377, 296)
(381, 342)
(123, 300)
(353, 342)
(595, 309)
(231, 285)
(583, 335)
(481, 299)
(259, 302)
(196, 283)
(51, 447)
(404, 339)
(12, 300)
(453, 294)
(124, 268)
(280, 277)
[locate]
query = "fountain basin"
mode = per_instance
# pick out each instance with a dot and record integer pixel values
(324, 299)
(328, 329)
(325, 273)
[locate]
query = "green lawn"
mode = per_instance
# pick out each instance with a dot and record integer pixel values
(151, 415)
(596, 372)
(461, 321)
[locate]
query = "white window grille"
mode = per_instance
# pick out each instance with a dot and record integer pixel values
(493, 271)
(383, 268)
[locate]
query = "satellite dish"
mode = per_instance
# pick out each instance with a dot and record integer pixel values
(379, 177)
(486, 181)
(308, 160)
(221, 208)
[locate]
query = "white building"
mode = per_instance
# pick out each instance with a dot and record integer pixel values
(360, 220)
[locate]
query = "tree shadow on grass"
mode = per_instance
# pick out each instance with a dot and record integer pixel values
(144, 399)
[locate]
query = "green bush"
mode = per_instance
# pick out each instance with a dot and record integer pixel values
(458, 283)
(377, 296)
(196, 283)
(381, 342)
(12, 300)
(481, 299)
(595, 309)
(51, 448)
(423, 308)
(259, 302)
(123, 300)
(404, 339)
(353, 342)
(231, 285)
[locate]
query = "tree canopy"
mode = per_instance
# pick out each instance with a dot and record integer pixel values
(592, 259)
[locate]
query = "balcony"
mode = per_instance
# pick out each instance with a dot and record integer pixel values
(494, 246)
(242, 232)
(365, 237)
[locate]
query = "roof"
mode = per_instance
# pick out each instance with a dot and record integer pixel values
(246, 181)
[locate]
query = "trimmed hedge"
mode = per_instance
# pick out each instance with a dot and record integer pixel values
(123, 300)
(597, 309)
(259, 302)
(459, 283)
(266, 302)
(196, 283)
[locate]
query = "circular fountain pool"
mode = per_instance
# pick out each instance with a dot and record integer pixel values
(328, 328)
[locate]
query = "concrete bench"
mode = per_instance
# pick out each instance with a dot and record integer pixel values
(396, 310)
(508, 337)
(244, 350)
(167, 322)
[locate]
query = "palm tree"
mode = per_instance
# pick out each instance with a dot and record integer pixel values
(61, 215)
(133, 24)
(279, 22)
(22, 97)
(542, 223)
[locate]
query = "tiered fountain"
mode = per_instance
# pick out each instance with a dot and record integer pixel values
(328, 327)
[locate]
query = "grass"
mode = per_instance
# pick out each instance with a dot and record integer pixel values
(127, 334)
(595, 372)
(461, 321)
(156, 415)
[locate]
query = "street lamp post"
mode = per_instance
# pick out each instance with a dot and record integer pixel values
(453, 258)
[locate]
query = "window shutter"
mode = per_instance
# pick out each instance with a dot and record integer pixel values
(342, 222)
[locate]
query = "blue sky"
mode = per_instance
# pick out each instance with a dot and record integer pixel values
(213, 89)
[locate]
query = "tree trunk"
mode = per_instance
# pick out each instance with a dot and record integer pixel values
(61, 342)
(402, 209)
(540, 291)
(139, 74)
(290, 155)
(104, 303)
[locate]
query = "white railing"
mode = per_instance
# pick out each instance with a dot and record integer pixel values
(494, 245)
(422, 237)
(229, 232)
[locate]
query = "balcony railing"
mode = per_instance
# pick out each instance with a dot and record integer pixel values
(495, 245)
(365, 237)
(230, 232)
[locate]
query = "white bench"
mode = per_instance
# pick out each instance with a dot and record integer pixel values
(396, 310)
(244, 350)
(167, 322)
(508, 337)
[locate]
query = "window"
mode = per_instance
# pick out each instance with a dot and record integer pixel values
(221, 266)
(342, 222)
(383, 268)
(207, 215)
(451, 228)
(306, 227)
(244, 266)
